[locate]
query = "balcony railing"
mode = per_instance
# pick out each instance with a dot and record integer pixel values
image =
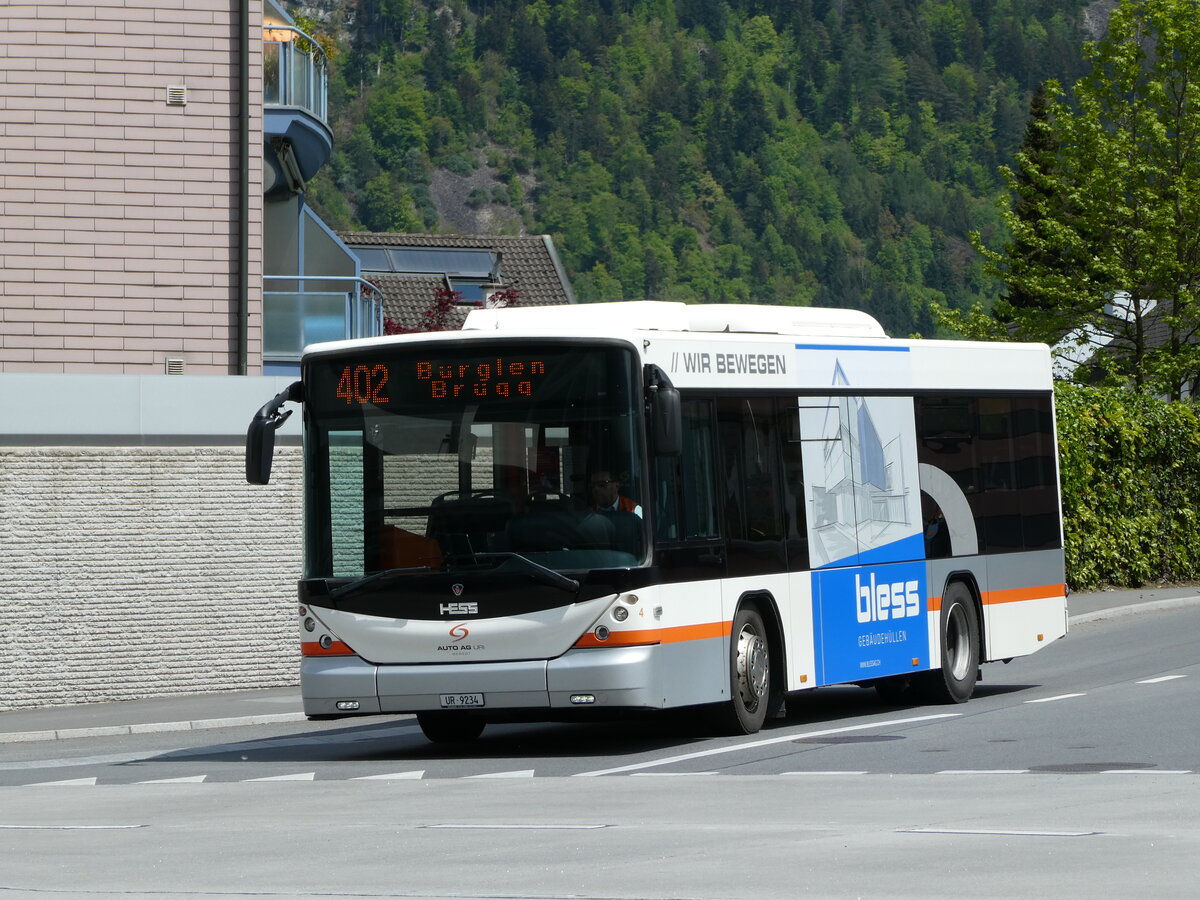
(319, 308)
(295, 71)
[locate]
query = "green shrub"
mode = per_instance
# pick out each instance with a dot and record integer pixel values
(1130, 470)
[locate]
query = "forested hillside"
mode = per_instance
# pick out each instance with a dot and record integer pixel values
(825, 152)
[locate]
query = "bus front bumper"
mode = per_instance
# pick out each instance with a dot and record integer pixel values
(611, 677)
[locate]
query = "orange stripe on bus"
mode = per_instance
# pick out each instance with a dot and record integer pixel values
(1012, 595)
(657, 635)
(1016, 595)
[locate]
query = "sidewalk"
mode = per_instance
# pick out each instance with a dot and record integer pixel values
(183, 713)
(224, 709)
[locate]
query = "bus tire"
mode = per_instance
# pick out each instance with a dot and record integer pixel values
(450, 728)
(954, 681)
(749, 676)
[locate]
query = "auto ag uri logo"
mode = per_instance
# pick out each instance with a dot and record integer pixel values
(460, 632)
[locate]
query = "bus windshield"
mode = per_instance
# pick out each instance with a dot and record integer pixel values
(445, 455)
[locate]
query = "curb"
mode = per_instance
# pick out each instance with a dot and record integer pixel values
(1116, 612)
(62, 734)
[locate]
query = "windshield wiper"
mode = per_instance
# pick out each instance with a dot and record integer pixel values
(549, 576)
(360, 583)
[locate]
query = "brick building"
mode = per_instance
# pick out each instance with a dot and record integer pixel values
(156, 259)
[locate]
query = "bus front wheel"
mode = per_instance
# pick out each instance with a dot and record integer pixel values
(954, 681)
(450, 728)
(749, 676)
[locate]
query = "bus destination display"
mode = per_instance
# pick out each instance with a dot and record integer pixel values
(500, 377)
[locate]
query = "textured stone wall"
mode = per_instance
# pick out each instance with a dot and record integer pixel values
(145, 571)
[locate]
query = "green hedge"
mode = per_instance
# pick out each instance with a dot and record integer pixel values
(1130, 468)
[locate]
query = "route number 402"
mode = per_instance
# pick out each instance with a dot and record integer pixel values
(363, 384)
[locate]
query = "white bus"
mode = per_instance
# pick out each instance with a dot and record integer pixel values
(641, 506)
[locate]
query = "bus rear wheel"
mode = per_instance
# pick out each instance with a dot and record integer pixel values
(749, 676)
(450, 728)
(954, 681)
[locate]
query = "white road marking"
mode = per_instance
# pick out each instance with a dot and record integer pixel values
(71, 781)
(1161, 679)
(1052, 699)
(516, 827)
(70, 827)
(186, 779)
(298, 776)
(519, 773)
(414, 774)
(766, 742)
(1003, 832)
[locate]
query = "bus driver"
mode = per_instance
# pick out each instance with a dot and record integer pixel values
(606, 495)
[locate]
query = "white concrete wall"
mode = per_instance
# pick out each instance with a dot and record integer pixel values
(140, 563)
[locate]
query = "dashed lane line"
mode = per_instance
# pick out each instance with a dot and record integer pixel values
(765, 742)
(92, 781)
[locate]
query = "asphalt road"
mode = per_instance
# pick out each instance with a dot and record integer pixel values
(1073, 772)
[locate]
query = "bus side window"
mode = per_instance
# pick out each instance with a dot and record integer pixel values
(686, 501)
(934, 528)
(750, 478)
(751, 486)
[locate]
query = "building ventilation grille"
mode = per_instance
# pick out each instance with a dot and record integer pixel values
(174, 365)
(176, 95)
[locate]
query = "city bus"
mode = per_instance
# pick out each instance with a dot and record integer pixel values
(604, 508)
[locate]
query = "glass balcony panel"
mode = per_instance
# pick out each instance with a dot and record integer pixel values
(271, 86)
(301, 81)
(299, 76)
(292, 320)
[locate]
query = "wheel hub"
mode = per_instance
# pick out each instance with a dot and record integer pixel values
(753, 669)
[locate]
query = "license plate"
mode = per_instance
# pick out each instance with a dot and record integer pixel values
(461, 701)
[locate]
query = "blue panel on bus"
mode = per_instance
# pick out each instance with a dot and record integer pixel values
(870, 621)
(909, 548)
(904, 550)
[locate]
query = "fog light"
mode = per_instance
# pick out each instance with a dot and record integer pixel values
(310, 624)
(620, 613)
(602, 633)
(583, 699)
(326, 642)
(303, 611)
(347, 705)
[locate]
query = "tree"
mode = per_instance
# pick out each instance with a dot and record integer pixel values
(385, 205)
(1105, 227)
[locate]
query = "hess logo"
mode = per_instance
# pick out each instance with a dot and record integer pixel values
(461, 608)
(880, 602)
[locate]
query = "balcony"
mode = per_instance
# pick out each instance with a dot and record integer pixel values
(295, 103)
(300, 310)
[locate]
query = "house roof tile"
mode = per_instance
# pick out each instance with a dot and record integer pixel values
(528, 264)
